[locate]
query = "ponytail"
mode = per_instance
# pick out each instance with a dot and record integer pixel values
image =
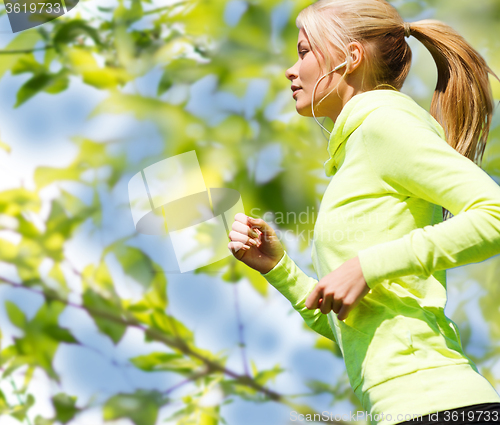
(463, 101)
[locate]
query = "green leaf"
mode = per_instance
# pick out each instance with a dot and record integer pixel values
(46, 175)
(255, 371)
(155, 362)
(57, 274)
(28, 376)
(246, 393)
(105, 9)
(27, 63)
(64, 406)
(82, 61)
(136, 264)
(206, 18)
(13, 201)
(50, 55)
(100, 295)
(104, 78)
(59, 83)
(109, 327)
(7, 354)
(72, 204)
(165, 83)
(67, 32)
(42, 81)
(38, 347)
(25, 40)
(91, 155)
(103, 279)
(5, 146)
(16, 362)
(39, 420)
(141, 407)
(156, 297)
(31, 87)
(8, 251)
(139, 266)
(3, 403)
(19, 412)
(265, 375)
(127, 16)
(168, 324)
(60, 334)
(15, 314)
(209, 415)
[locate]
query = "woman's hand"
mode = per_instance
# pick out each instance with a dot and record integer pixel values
(340, 290)
(255, 243)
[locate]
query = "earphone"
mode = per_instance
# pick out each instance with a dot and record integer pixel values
(314, 90)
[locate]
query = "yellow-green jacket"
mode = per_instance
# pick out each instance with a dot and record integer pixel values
(392, 171)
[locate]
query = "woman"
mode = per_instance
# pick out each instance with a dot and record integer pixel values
(381, 247)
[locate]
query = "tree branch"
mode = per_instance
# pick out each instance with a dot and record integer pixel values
(179, 344)
(176, 343)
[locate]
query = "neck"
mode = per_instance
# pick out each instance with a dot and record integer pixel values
(347, 94)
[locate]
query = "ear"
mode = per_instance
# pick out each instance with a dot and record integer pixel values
(356, 56)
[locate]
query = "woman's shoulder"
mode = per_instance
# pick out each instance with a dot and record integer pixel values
(395, 111)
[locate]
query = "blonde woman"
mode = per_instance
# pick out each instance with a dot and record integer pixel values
(381, 247)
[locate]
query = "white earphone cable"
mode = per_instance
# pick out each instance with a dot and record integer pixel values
(314, 90)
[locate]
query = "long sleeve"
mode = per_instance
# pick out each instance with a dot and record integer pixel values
(295, 286)
(411, 158)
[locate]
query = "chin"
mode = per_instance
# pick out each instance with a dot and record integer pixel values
(304, 111)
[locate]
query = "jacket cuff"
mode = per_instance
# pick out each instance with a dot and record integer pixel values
(280, 272)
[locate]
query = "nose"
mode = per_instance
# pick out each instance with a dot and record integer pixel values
(292, 73)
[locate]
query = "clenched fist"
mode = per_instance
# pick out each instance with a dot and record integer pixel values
(254, 242)
(340, 291)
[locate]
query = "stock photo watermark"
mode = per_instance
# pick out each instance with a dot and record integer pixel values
(326, 416)
(329, 227)
(169, 198)
(446, 416)
(26, 14)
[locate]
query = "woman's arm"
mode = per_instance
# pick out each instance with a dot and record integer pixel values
(255, 243)
(295, 285)
(413, 160)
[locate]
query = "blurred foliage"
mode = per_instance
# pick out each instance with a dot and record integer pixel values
(188, 41)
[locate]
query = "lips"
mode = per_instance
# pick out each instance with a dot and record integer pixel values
(295, 89)
(295, 93)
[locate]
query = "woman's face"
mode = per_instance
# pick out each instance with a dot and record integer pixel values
(305, 73)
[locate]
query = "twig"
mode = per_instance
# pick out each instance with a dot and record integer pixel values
(193, 377)
(19, 51)
(160, 9)
(241, 341)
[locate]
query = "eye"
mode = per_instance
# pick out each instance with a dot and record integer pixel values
(302, 53)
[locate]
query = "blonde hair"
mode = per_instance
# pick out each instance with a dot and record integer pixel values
(462, 102)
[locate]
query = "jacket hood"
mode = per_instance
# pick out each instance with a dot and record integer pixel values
(355, 112)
